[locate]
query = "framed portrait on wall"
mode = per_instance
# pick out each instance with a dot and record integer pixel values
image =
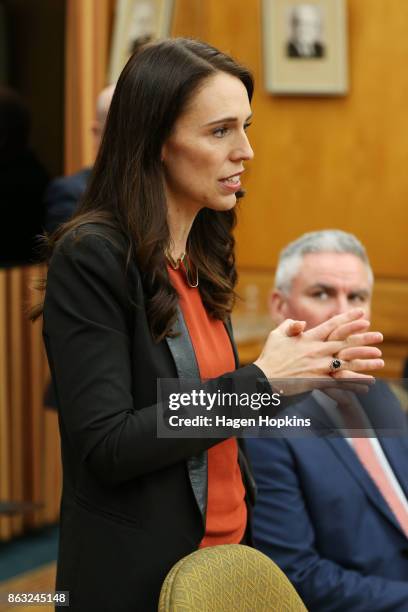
(136, 21)
(305, 47)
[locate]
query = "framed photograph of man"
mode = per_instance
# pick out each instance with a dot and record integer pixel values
(135, 22)
(305, 46)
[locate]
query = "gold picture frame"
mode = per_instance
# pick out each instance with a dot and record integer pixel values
(134, 21)
(305, 47)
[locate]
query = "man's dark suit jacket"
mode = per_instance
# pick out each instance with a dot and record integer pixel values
(321, 518)
(133, 504)
(62, 197)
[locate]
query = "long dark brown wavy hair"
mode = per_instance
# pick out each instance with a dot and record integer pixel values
(126, 188)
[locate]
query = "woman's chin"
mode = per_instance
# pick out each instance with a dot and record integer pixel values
(224, 203)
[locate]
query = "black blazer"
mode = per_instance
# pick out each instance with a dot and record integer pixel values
(132, 504)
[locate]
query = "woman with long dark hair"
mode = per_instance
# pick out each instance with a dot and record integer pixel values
(140, 288)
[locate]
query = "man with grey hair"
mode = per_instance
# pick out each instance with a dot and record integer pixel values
(332, 512)
(319, 274)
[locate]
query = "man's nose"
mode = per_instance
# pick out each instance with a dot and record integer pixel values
(341, 305)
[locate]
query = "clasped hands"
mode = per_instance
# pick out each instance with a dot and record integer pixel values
(292, 352)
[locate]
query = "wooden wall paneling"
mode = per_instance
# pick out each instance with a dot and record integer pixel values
(5, 483)
(87, 36)
(390, 309)
(30, 466)
(389, 315)
(190, 19)
(101, 26)
(73, 110)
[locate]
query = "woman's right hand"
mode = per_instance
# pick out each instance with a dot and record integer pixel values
(290, 352)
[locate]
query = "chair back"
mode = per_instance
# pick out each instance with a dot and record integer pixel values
(228, 578)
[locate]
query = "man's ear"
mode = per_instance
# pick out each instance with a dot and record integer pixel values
(277, 306)
(96, 129)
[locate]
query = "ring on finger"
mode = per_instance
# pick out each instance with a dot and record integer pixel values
(335, 365)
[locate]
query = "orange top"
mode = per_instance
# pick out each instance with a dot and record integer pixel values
(226, 507)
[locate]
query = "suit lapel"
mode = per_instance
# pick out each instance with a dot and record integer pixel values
(348, 457)
(310, 408)
(396, 451)
(185, 361)
(392, 447)
(384, 411)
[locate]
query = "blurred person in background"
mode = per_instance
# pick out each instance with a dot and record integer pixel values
(23, 180)
(140, 288)
(63, 193)
(333, 512)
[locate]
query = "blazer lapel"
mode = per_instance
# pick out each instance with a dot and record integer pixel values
(186, 364)
(182, 350)
(230, 333)
(185, 361)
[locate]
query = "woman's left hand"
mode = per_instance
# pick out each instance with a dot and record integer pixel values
(358, 354)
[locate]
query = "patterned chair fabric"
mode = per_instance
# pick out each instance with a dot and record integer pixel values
(228, 578)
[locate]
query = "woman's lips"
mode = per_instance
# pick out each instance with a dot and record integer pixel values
(231, 184)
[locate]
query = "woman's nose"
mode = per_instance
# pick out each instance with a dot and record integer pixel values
(243, 149)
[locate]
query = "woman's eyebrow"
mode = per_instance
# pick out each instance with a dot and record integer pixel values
(226, 120)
